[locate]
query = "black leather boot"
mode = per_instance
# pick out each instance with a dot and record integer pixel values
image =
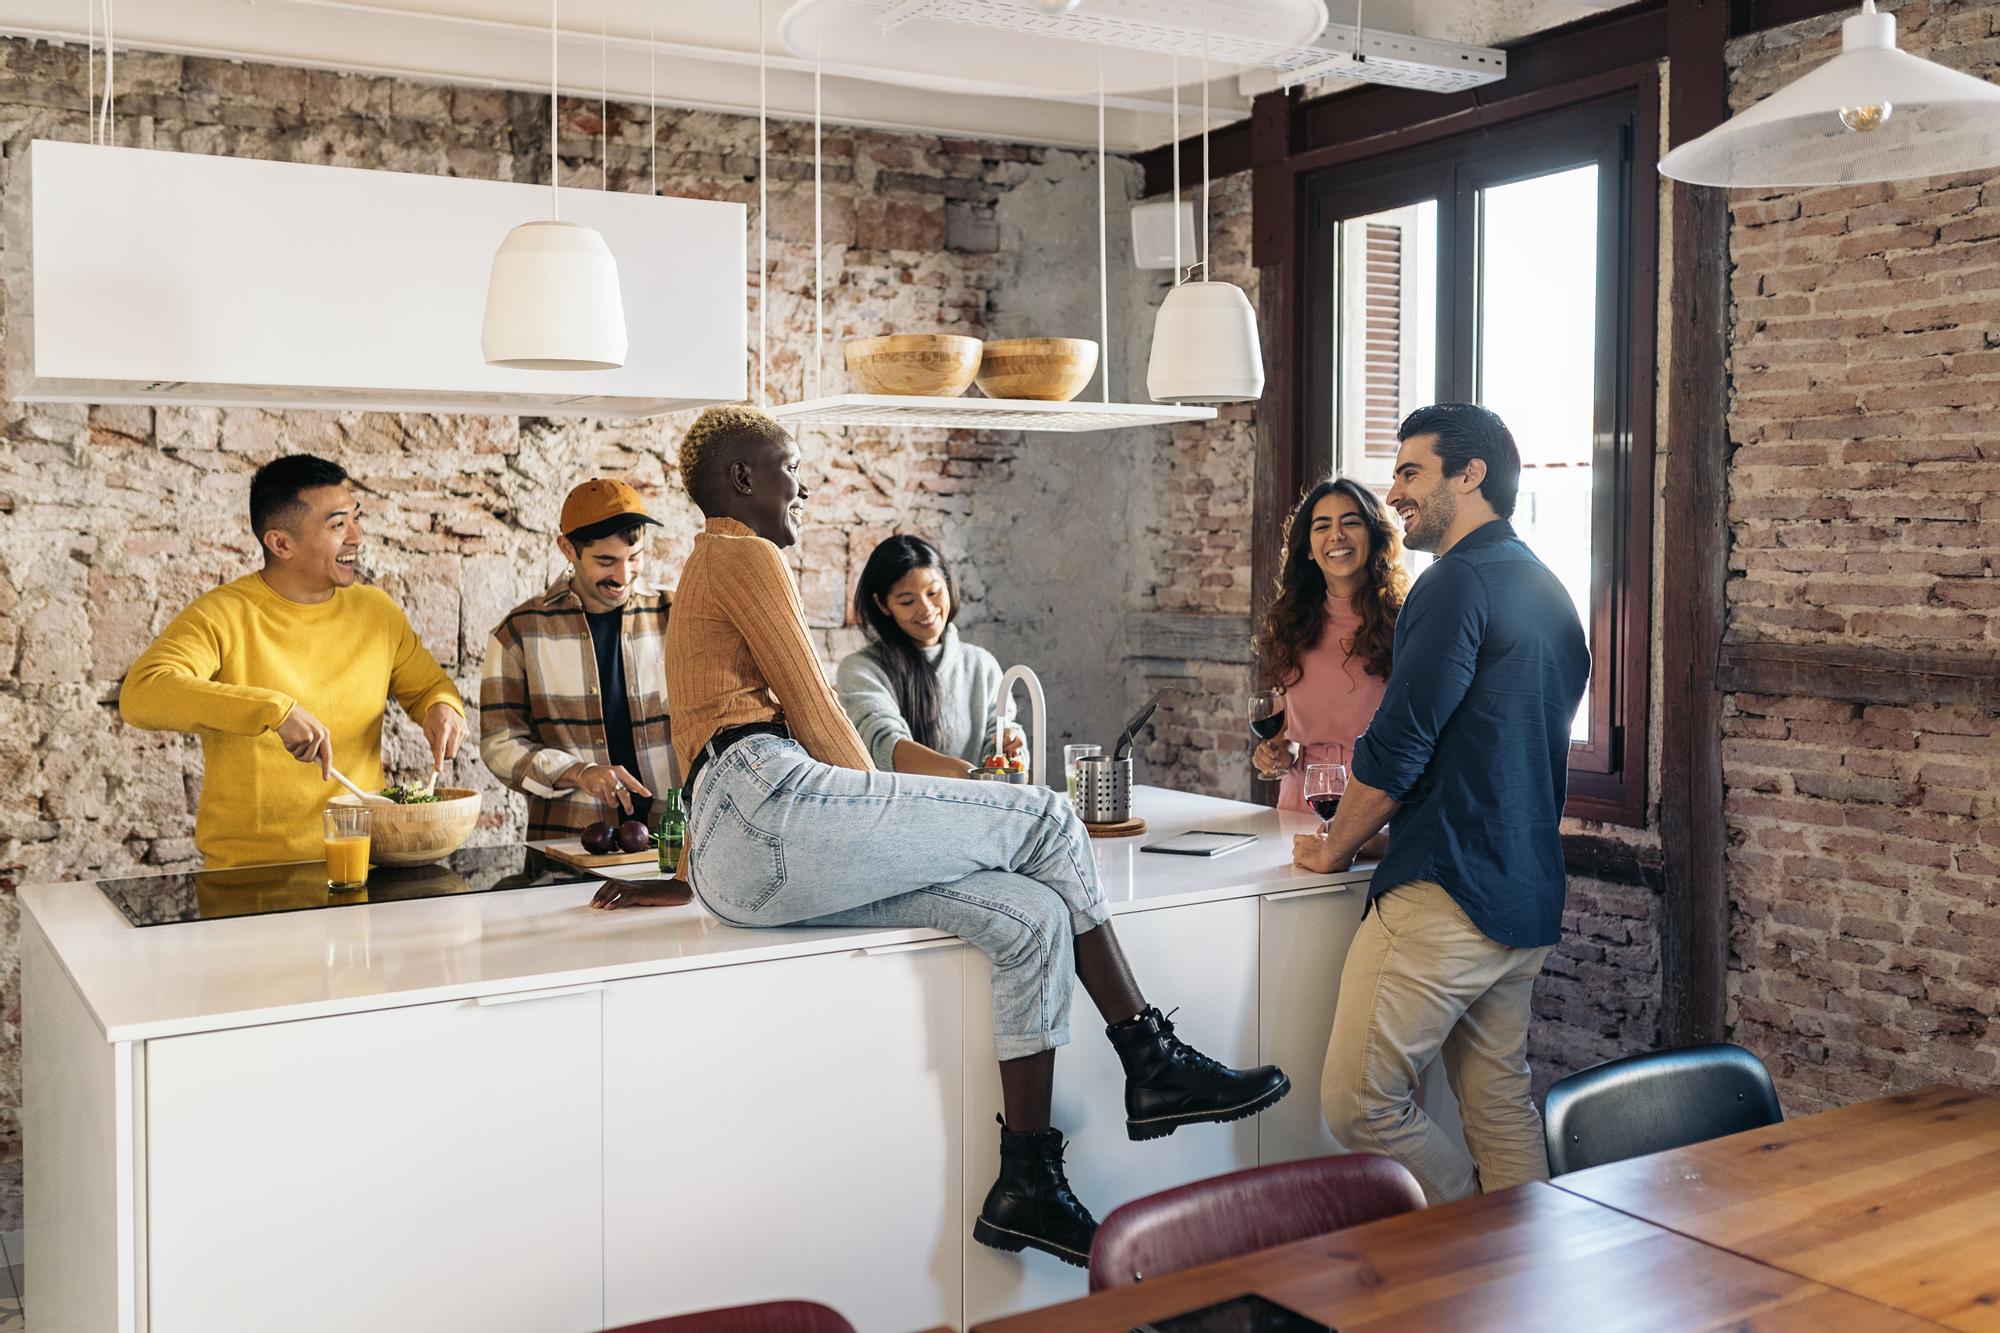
(1168, 1083)
(1030, 1205)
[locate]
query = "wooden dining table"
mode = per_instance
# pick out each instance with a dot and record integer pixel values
(1882, 1215)
(1895, 1199)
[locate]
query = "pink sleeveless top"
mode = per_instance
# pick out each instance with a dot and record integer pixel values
(1333, 700)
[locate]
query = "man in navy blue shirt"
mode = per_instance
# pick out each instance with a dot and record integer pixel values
(1466, 760)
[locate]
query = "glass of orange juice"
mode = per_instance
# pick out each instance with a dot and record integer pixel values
(346, 846)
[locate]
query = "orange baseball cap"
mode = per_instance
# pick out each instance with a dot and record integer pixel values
(601, 499)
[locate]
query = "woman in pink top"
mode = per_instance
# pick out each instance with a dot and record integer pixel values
(1329, 635)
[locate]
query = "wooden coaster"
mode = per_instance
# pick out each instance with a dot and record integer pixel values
(1131, 828)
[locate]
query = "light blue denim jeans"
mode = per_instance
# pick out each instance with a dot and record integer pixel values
(780, 839)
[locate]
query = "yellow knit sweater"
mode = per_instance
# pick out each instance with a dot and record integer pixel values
(229, 669)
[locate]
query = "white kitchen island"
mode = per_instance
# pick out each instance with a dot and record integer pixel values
(507, 1112)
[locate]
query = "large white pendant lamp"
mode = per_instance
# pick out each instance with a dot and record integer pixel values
(1205, 344)
(552, 302)
(1872, 113)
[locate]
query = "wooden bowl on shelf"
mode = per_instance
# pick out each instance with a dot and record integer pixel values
(1052, 370)
(930, 365)
(415, 835)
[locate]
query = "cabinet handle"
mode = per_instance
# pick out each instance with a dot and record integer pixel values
(1313, 892)
(914, 946)
(525, 996)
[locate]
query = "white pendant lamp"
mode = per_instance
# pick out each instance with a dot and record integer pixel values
(1872, 113)
(1205, 344)
(552, 302)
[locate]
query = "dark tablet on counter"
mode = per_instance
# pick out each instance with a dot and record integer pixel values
(1240, 1314)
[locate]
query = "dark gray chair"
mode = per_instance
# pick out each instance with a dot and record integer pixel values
(1650, 1103)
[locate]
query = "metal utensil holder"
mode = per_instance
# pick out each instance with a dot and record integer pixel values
(1104, 789)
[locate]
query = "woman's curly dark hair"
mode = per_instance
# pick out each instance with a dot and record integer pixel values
(1297, 617)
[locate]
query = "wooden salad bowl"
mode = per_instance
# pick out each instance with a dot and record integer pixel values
(1051, 370)
(931, 365)
(415, 835)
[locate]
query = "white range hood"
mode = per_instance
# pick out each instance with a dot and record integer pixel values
(156, 277)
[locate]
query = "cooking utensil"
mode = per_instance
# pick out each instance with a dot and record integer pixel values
(1139, 719)
(367, 797)
(430, 787)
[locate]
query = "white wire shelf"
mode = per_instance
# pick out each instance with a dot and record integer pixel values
(883, 409)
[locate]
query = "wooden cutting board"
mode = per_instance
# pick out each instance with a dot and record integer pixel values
(572, 853)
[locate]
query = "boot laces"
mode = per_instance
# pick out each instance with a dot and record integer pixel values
(1059, 1178)
(1179, 1051)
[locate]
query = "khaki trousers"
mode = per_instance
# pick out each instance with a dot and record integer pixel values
(1421, 981)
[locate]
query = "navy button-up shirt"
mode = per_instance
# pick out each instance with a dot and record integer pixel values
(1473, 736)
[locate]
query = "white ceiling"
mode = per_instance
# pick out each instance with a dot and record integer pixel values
(694, 53)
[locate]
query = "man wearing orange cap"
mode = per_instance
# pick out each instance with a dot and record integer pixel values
(573, 700)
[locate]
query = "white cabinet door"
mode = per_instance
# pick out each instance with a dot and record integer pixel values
(413, 1169)
(787, 1129)
(1304, 938)
(1200, 958)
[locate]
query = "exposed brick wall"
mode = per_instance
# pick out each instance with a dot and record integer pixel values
(1865, 509)
(114, 518)
(1598, 996)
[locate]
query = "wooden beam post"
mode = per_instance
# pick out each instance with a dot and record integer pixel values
(1274, 249)
(1694, 931)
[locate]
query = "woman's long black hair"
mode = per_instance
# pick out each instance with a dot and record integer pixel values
(911, 674)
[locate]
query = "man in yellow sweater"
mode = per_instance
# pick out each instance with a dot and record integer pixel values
(297, 649)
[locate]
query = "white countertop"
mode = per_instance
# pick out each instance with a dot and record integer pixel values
(161, 981)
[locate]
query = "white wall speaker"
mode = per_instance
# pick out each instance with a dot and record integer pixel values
(1153, 233)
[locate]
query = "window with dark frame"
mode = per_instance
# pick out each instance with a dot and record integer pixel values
(1511, 267)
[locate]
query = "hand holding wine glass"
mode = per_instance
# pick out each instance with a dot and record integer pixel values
(1274, 755)
(1325, 781)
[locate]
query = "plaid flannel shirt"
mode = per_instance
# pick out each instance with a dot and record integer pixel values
(539, 712)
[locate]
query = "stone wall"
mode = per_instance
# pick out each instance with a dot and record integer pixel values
(1865, 508)
(112, 518)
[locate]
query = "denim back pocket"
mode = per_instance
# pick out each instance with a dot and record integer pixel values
(741, 866)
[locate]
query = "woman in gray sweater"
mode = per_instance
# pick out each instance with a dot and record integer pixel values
(921, 697)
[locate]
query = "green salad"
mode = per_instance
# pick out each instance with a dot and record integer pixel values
(409, 796)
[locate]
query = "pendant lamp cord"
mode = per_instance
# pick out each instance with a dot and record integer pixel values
(763, 206)
(1103, 249)
(107, 117)
(653, 94)
(90, 69)
(1177, 168)
(555, 27)
(819, 276)
(1204, 142)
(603, 101)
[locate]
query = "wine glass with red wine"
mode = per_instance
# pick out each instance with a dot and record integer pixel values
(1267, 722)
(1324, 784)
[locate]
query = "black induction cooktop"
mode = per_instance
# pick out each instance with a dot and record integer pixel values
(300, 886)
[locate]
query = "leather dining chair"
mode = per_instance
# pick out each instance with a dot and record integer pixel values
(1223, 1216)
(765, 1317)
(1649, 1103)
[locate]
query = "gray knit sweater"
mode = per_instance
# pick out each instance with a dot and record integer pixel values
(968, 681)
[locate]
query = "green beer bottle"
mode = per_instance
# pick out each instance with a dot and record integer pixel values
(673, 830)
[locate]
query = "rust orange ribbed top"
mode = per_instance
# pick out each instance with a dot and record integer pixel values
(737, 652)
